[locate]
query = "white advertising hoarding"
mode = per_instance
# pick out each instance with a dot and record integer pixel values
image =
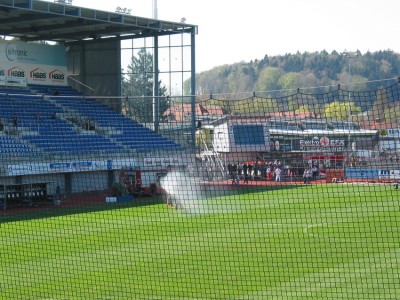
(389, 174)
(69, 166)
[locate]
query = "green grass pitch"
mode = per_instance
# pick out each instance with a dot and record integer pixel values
(285, 242)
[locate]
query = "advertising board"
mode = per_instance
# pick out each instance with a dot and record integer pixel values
(22, 63)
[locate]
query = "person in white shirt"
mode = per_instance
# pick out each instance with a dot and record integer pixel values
(307, 175)
(278, 173)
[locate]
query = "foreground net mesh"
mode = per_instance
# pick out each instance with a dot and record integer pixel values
(289, 197)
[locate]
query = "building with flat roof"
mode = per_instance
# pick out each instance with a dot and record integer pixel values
(326, 142)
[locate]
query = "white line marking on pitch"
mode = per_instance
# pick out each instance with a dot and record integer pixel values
(312, 226)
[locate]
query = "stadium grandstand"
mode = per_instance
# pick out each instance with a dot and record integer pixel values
(61, 113)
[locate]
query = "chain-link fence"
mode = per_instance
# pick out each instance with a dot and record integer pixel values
(229, 198)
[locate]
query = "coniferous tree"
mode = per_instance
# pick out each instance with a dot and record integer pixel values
(137, 86)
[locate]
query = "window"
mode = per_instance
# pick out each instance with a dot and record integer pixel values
(248, 134)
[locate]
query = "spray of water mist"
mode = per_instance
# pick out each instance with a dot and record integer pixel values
(184, 191)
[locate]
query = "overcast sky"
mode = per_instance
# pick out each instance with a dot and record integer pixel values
(234, 31)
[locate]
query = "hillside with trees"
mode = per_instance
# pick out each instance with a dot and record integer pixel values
(311, 73)
(300, 70)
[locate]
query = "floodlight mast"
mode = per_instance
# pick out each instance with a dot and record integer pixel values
(349, 55)
(155, 10)
(156, 99)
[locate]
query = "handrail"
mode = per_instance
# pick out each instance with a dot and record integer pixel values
(81, 83)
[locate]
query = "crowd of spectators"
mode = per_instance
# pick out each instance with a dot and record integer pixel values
(272, 171)
(393, 158)
(257, 170)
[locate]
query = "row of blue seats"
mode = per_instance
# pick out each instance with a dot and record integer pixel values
(51, 89)
(9, 91)
(13, 145)
(75, 144)
(8, 138)
(20, 149)
(20, 155)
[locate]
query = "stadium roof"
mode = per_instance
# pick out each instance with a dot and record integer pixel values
(34, 20)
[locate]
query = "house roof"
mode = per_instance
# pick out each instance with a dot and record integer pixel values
(379, 125)
(182, 112)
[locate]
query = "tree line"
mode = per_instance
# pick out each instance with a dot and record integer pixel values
(275, 77)
(301, 70)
